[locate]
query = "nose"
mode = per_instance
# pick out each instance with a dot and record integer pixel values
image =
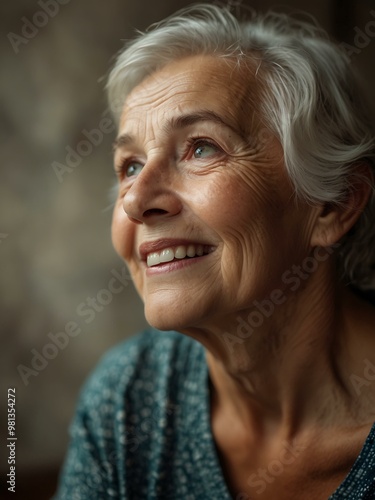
(151, 197)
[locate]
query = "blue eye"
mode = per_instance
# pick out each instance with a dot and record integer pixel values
(133, 168)
(204, 150)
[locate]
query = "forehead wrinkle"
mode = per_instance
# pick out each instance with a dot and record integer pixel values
(157, 92)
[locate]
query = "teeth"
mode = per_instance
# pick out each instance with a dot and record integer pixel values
(180, 252)
(168, 254)
(153, 259)
(190, 251)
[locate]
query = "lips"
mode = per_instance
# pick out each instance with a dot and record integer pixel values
(162, 251)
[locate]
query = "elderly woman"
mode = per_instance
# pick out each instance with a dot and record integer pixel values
(245, 213)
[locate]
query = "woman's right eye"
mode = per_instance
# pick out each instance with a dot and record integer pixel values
(133, 168)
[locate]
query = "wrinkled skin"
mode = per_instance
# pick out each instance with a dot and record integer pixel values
(237, 198)
(221, 180)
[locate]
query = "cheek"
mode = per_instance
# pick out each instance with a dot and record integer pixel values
(216, 199)
(249, 216)
(231, 203)
(124, 242)
(123, 233)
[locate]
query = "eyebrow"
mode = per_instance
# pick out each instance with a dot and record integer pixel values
(180, 122)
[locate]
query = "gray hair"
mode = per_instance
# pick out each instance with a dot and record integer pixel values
(310, 100)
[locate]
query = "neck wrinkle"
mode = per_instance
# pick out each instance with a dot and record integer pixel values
(289, 372)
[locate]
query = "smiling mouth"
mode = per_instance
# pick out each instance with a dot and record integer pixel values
(177, 253)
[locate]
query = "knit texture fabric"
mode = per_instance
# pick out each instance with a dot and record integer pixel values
(142, 429)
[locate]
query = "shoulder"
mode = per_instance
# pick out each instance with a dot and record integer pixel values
(143, 377)
(149, 358)
(128, 384)
(149, 350)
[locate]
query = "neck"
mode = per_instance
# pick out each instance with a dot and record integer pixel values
(294, 369)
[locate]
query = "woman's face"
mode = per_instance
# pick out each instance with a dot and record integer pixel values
(205, 216)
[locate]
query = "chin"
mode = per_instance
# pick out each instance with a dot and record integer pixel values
(164, 316)
(162, 321)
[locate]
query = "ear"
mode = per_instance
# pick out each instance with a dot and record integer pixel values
(335, 220)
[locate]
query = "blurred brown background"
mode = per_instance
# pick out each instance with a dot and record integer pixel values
(55, 249)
